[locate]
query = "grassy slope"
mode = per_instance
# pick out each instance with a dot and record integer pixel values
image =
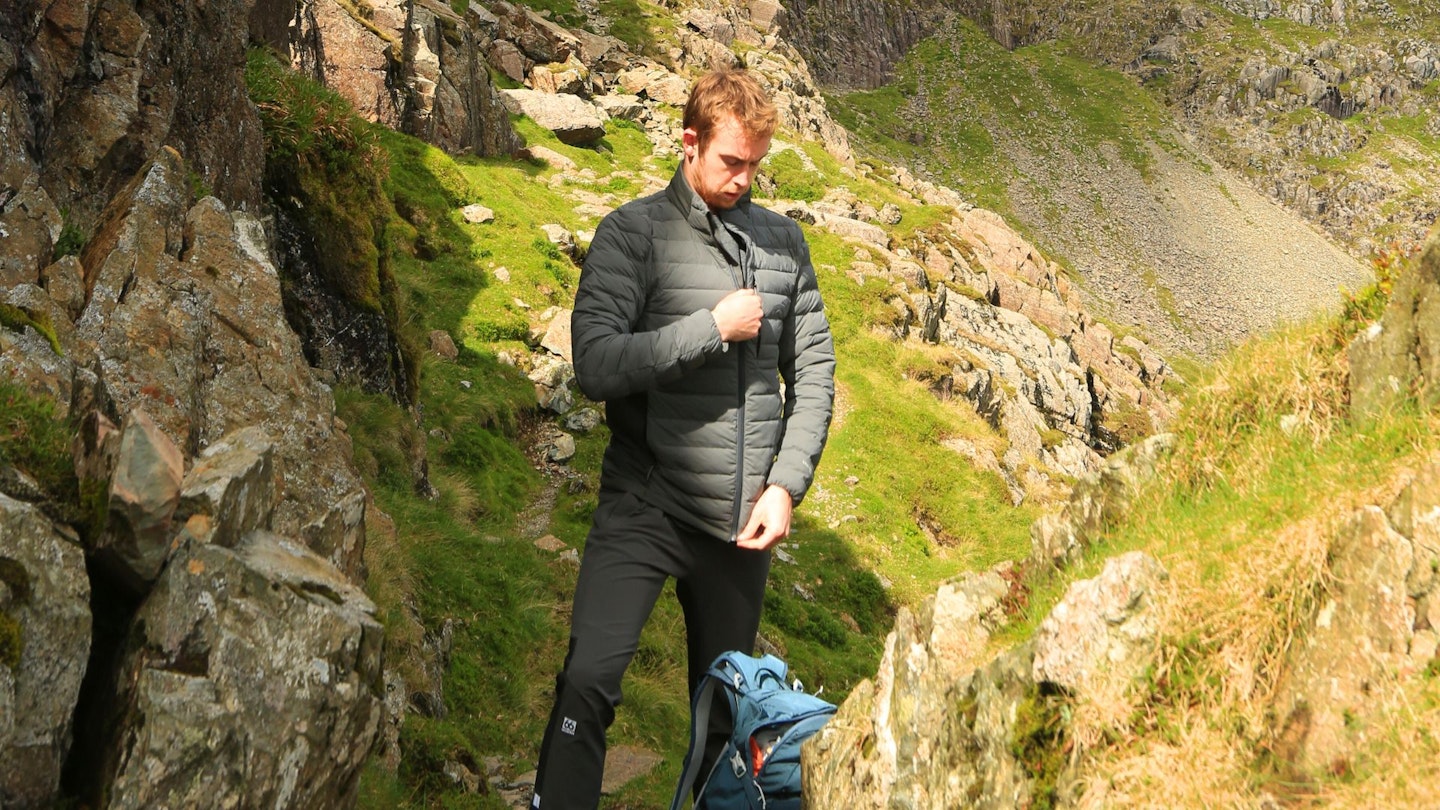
(463, 557)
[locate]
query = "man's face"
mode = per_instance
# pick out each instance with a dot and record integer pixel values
(722, 171)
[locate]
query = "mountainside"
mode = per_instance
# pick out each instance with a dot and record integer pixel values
(294, 477)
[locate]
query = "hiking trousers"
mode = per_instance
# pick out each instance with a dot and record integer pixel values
(632, 549)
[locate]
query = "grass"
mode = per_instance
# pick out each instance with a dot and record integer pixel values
(1267, 463)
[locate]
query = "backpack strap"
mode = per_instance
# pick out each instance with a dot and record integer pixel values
(699, 729)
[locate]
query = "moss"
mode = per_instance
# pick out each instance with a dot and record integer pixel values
(16, 319)
(1039, 743)
(12, 643)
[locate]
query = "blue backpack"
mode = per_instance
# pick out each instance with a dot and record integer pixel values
(760, 764)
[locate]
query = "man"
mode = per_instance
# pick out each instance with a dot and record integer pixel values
(693, 305)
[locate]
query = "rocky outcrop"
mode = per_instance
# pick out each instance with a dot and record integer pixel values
(219, 527)
(944, 725)
(1374, 628)
(1398, 357)
(253, 673)
(416, 66)
(44, 645)
(854, 44)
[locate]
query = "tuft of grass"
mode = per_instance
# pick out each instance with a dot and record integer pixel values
(36, 440)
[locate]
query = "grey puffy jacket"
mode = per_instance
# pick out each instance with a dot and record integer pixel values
(700, 427)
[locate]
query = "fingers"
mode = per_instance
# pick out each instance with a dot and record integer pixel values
(738, 315)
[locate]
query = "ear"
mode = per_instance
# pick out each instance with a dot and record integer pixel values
(690, 140)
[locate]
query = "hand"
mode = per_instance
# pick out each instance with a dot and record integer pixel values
(738, 315)
(770, 520)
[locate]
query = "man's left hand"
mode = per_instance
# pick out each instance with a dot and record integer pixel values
(769, 522)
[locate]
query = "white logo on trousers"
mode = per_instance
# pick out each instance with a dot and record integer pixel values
(568, 726)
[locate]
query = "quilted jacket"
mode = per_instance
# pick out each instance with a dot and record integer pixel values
(698, 426)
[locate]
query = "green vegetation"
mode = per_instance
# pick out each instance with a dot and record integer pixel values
(18, 319)
(35, 440)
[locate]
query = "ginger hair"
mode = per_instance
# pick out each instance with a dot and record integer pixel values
(729, 91)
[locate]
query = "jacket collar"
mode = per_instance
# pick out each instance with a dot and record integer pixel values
(697, 213)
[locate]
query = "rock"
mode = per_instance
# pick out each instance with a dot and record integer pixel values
(1401, 352)
(1416, 515)
(31, 225)
(1102, 634)
(231, 490)
(582, 421)
(550, 156)
(451, 102)
(144, 492)
(443, 345)
(216, 308)
(621, 105)
(557, 336)
(476, 214)
(573, 120)
(1098, 499)
(45, 626)
(1327, 699)
(254, 672)
(505, 57)
(624, 764)
(568, 77)
(550, 543)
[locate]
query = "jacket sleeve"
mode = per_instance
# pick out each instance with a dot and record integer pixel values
(612, 359)
(807, 364)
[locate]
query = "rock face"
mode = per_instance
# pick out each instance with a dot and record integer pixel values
(942, 727)
(1395, 357)
(44, 645)
(222, 528)
(1374, 626)
(853, 44)
(254, 674)
(412, 65)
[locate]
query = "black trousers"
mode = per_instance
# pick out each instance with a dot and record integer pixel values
(632, 549)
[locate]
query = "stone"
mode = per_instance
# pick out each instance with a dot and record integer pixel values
(550, 156)
(624, 764)
(476, 214)
(582, 421)
(144, 493)
(1102, 634)
(200, 283)
(550, 543)
(443, 345)
(621, 105)
(254, 671)
(1361, 634)
(505, 57)
(231, 490)
(45, 627)
(567, 77)
(573, 119)
(451, 102)
(562, 449)
(557, 336)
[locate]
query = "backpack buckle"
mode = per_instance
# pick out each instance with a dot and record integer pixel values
(737, 764)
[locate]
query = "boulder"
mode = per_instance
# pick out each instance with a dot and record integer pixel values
(231, 490)
(1399, 355)
(44, 650)
(252, 674)
(573, 119)
(144, 491)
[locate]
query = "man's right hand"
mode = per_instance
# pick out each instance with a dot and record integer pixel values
(738, 315)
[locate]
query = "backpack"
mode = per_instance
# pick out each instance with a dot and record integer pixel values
(759, 767)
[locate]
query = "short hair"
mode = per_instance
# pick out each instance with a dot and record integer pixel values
(729, 91)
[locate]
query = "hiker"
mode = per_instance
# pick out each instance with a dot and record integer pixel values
(693, 305)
